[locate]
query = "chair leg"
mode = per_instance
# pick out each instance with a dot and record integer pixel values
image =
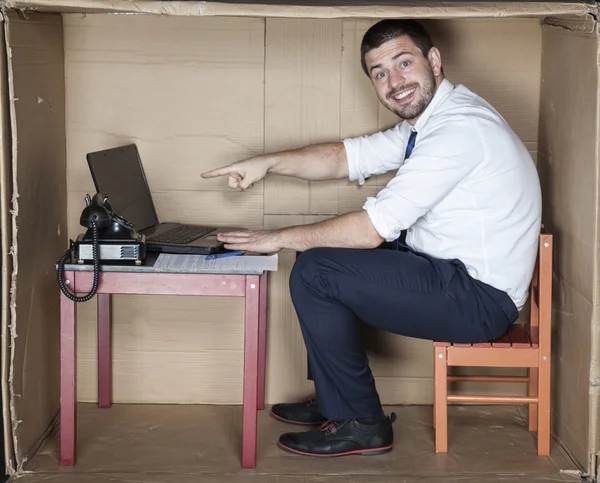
(533, 391)
(441, 400)
(543, 434)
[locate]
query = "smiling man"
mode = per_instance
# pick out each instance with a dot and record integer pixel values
(467, 193)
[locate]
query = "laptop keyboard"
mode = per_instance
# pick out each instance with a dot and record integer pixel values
(181, 234)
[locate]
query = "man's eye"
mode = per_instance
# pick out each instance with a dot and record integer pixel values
(406, 63)
(380, 75)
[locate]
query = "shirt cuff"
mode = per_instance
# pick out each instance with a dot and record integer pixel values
(379, 222)
(354, 172)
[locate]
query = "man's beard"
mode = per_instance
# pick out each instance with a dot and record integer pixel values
(413, 110)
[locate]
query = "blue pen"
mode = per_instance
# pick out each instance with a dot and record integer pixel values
(223, 255)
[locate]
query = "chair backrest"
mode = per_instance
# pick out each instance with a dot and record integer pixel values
(541, 294)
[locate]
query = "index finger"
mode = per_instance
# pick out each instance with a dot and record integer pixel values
(218, 172)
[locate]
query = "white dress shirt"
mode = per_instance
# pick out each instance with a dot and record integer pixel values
(469, 190)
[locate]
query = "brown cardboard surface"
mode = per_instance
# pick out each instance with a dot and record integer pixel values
(151, 443)
(6, 240)
(302, 83)
(568, 169)
(190, 104)
(347, 9)
(162, 366)
(39, 221)
(302, 106)
(594, 380)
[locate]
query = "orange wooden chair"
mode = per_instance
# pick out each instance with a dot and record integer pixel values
(524, 345)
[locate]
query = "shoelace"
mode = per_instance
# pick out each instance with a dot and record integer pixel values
(332, 425)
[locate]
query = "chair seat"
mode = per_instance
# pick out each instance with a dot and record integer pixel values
(518, 336)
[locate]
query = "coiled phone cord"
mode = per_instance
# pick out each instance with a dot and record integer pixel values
(65, 258)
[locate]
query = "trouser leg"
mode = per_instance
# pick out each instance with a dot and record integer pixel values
(383, 246)
(401, 292)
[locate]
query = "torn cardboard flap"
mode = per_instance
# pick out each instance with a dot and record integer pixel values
(573, 23)
(6, 189)
(296, 9)
(35, 70)
(10, 420)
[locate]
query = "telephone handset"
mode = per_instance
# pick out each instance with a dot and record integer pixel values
(109, 237)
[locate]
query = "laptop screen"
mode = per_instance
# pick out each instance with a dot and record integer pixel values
(118, 173)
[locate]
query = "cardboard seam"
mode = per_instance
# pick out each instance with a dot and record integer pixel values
(53, 426)
(14, 249)
(264, 113)
(568, 452)
(574, 289)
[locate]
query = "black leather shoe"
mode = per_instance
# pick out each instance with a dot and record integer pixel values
(304, 413)
(342, 438)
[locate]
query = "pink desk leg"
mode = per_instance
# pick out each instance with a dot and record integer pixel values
(250, 403)
(68, 376)
(104, 359)
(262, 341)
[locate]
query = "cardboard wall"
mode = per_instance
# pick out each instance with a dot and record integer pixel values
(196, 93)
(39, 226)
(569, 175)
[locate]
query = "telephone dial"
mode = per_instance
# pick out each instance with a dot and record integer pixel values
(109, 238)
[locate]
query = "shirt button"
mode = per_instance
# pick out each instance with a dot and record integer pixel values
(410, 229)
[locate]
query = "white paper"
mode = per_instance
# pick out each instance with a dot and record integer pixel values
(198, 263)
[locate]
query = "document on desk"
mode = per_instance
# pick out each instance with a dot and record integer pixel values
(198, 263)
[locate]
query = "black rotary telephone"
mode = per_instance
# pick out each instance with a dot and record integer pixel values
(109, 237)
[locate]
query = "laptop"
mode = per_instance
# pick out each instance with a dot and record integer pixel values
(118, 173)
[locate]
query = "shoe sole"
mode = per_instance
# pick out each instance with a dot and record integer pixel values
(360, 452)
(298, 423)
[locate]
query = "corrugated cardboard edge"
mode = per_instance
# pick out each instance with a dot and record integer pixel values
(14, 249)
(5, 189)
(422, 10)
(594, 417)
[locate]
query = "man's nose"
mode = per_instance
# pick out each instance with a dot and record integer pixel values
(396, 79)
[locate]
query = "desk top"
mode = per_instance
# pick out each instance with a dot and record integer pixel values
(168, 263)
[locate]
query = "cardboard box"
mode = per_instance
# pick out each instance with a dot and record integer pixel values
(199, 84)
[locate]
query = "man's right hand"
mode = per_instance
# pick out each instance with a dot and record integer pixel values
(243, 174)
(318, 162)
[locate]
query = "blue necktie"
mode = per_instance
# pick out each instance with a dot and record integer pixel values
(409, 149)
(411, 144)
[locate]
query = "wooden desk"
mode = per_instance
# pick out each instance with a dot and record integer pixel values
(146, 281)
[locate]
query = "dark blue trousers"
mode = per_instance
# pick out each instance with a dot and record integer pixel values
(407, 293)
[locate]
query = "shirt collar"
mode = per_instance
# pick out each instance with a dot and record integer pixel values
(442, 92)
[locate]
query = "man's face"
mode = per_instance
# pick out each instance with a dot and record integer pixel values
(405, 80)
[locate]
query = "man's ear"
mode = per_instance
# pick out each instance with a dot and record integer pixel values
(435, 60)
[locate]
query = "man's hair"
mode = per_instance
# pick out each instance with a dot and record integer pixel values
(389, 29)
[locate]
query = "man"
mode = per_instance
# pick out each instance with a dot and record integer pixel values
(467, 192)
